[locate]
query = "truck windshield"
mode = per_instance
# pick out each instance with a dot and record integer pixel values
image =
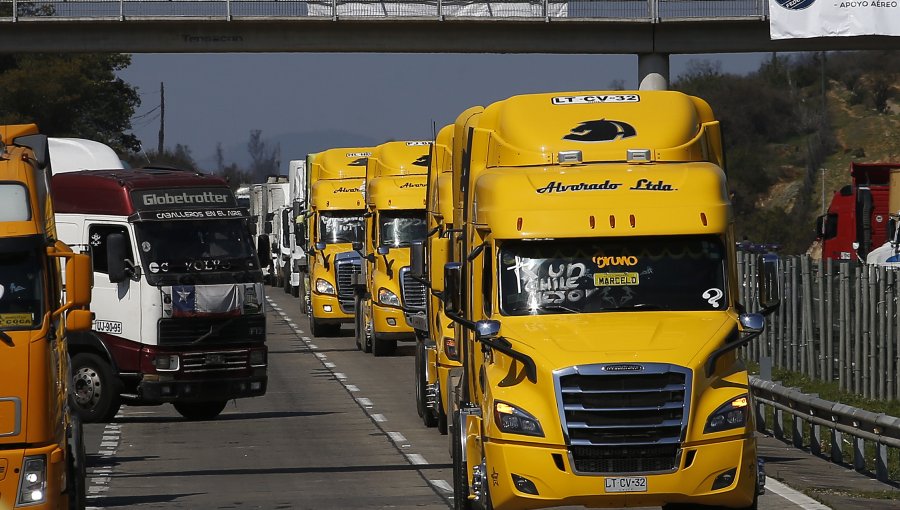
(615, 274)
(21, 289)
(401, 228)
(340, 227)
(199, 246)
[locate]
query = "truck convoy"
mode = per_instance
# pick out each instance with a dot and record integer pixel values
(42, 460)
(292, 239)
(436, 350)
(387, 296)
(335, 221)
(267, 201)
(178, 292)
(592, 280)
(857, 218)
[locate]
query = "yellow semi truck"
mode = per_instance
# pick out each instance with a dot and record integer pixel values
(41, 449)
(593, 283)
(336, 204)
(387, 295)
(436, 350)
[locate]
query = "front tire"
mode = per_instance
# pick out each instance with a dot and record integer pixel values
(94, 396)
(322, 330)
(200, 411)
(425, 413)
(382, 348)
(75, 466)
(460, 478)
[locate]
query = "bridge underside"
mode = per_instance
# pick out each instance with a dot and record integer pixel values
(412, 36)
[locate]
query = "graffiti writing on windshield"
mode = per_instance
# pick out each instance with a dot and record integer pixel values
(551, 282)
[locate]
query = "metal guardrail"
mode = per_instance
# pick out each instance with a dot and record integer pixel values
(809, 414)
(647, 11)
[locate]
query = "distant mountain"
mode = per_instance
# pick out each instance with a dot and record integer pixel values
(293, 146)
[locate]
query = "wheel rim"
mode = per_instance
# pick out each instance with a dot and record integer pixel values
(88, 387)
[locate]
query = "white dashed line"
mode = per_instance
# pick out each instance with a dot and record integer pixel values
(313, 346)
(397, 437)
(802, 500)
(321, 356)
(307, 339)
(416, 459)
(364, 402)
(351, 387)
(442, 485)
(379, 418)
(329, 364)
(340, 376)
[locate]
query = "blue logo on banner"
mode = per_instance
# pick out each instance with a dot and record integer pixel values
(795, 5)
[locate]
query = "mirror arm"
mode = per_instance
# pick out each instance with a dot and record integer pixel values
(389, 265)
(475, 252)
(466, 323)
(503, 345)
(710, 364)
(421, 280)
(433, 231)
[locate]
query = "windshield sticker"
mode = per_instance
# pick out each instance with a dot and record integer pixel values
(145, 246)
(12, 320)
(713, 296)
(418, 143)
(358, 155)
(595, 99)
(601, 130)
(648, 185)
(155, 267)
(616, 279)
(558, 187)
(112, 327)
(602, 261)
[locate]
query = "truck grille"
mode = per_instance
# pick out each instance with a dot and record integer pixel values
(414, 292)
(212, 331)
(217, 361)
(624, 418)
(345, 268)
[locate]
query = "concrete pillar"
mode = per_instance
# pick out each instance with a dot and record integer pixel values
(653, 71)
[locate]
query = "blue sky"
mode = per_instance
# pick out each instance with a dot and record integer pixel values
(214, 98)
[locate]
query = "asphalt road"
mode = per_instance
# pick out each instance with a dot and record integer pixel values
(337, 429)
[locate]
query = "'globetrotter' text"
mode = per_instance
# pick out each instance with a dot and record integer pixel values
(206, 197)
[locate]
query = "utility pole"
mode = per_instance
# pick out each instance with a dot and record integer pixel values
(162, 118)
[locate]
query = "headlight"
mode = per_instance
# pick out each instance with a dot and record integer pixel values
(387, 297)
(324, 286)
(513, 420)
(33, 483)
(167, 362)
(730, 415)
(257, 358)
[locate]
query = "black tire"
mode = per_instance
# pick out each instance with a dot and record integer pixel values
(76, 470)
(442, 417)
(363, 339)
(94, 395)
(383, 347)
(427, 415)
(295, 291)
(460, 480)
(323, 330)
(199, 411)
(286, 279)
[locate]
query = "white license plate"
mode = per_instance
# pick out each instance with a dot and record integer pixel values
(626, 484)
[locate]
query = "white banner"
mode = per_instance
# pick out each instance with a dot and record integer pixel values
(799, 19)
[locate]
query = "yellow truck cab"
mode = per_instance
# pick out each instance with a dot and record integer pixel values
(387, 295)
(41, 449)
(436, 351)
(336, 203)
(593, 283)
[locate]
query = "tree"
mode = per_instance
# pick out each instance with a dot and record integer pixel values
(71, 95)
(264, 162)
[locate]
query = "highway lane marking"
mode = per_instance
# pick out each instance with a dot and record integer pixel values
(352, 387)
(416, 459)
(97, 480)
(329, 364)
(313, 346)
(363, 401)
(380, 418)
(339, 376)
(397, 437)
(321, 356)
(442, 485)
(802, 500)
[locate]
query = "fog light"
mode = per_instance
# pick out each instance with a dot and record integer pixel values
(167, 362)
(724, 480)
(327, 308)
(256, 386)
(258, 358)
(524, 485)
(391, 321)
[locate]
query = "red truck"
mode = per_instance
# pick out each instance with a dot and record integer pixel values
(857, 219)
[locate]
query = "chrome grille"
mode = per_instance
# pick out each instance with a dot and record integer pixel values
(414, 292)
(214, 361)
(212, 331)
(345, 268)
(624, 418)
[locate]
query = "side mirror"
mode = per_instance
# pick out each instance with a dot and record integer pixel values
(382, 250)
(357, 246)
(262, 250)
(487, 330)
(78, 279)
(79, 320)
(417, 259)
(752, 322)
(452, 281)
(820, 226)
(767, 282)
(116, 251)
(320, 246)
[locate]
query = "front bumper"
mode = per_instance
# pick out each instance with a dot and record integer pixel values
(384, 316)
(560, 487)
(11, 461)
(202, 390)
(328, 308)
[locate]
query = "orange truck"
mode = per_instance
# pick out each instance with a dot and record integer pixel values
(41, 448)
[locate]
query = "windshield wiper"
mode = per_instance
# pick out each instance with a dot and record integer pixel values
(555, 307)
(640, 306)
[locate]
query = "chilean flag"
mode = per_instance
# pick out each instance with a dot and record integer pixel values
(207, 300)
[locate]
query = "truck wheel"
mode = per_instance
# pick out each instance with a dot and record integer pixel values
(442, 417)
(94, 396)
(75, 466)
(427, 415)
(295, 291)
(286, 279)
(323, 330)
(198, 411)
(383, 347)
(460, 480)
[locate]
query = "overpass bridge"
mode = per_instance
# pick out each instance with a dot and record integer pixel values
(651, 29)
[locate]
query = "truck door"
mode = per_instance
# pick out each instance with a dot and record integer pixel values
(116, 306)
